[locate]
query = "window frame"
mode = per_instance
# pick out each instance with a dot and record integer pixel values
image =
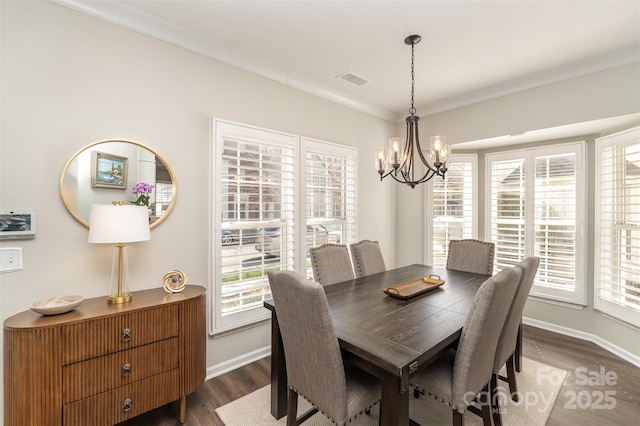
(429, 219)
(218, 322)
(296, 223)
(529, 155)
(619, 139)
(327, 148)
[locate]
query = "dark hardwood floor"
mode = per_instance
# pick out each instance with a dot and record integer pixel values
(578, 357)
(584, 399)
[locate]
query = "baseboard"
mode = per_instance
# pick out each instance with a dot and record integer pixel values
(237, 362)
(605, 344)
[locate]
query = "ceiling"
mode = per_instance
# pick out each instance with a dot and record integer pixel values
(470, 50)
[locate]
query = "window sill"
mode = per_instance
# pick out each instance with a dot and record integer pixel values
(575, 306)
(239, 328)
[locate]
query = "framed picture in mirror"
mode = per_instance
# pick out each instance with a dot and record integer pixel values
(108, 171)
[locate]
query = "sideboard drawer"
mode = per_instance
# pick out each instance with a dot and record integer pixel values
(97, 375)
(123, 403)
(118, 332)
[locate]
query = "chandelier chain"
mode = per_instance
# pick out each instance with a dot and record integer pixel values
(412, 110)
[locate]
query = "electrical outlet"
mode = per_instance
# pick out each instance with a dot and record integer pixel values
(10, 259)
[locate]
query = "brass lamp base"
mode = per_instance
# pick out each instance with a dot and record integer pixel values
(123, 298)
(119, 276)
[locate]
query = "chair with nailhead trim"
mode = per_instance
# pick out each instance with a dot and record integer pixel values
(367, 258)
(506, 350)
(331, 264)
(470, 255)
(315, 368)
(461, 374)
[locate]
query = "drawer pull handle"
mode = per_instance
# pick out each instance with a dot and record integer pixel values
(126, 369)
(126, 334)
(126, 405)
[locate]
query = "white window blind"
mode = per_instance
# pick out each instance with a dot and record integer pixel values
(164, 195)
(617, 247)
(536, 204)
(507, 211)
(255, 218)
(259, 222)
(555, 220)
(451, 208)
(330, 194)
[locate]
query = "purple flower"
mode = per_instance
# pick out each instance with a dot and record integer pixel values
(143, 191)
(142, 188)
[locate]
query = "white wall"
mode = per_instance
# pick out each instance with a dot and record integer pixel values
(69, 79)
(610, 93)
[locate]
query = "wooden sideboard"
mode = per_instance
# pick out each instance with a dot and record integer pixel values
(102, 364)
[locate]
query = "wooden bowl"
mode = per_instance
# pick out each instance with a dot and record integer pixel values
(57, 305)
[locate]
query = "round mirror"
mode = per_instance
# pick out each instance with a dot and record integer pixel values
(118, 170)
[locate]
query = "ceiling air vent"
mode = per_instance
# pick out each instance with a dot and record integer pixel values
(352, 78)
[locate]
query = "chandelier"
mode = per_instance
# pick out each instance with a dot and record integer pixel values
(401, 156)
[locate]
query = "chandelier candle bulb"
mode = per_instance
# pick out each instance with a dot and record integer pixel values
(381, 160)
(437, 146)
(395, 145)
(437, 143)
(445, 153)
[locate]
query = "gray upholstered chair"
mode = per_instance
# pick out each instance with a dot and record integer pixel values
(331, 264)
(505, 352)
(471, 256)
(459, 375)
(315, 368)
(367, 258)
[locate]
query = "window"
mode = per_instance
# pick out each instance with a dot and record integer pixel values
(253, 199)
(330, 194)
(164, 195)
(536, 205)
(451, 208)
(164, 188)
(258, 220)
(617, 224)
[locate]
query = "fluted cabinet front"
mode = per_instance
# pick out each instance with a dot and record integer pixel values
(32, 379)
(102, 364)
(193, 335)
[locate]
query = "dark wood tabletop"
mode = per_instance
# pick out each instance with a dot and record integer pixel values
(387, 336)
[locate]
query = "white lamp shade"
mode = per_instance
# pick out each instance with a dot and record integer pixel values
(118, 224)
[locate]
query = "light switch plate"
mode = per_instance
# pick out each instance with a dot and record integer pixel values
(10, 259)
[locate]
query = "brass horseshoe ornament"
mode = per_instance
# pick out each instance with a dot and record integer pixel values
(174, 281)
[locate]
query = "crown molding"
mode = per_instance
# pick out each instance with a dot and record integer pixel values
(130, 18)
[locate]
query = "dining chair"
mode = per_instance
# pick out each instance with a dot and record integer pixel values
(457, 377)
(367, 258)
(331, 263)
(471, 255)
(505, 351)
(314, 364)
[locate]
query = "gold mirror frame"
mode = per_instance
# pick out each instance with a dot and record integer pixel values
(68, 180)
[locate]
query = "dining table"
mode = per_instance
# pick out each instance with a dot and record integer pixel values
(387, 336)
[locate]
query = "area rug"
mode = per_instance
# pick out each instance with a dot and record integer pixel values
(538, 388)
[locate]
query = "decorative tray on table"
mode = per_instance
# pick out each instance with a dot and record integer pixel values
(413, 288)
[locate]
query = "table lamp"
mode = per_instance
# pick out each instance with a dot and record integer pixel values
(119, 223)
